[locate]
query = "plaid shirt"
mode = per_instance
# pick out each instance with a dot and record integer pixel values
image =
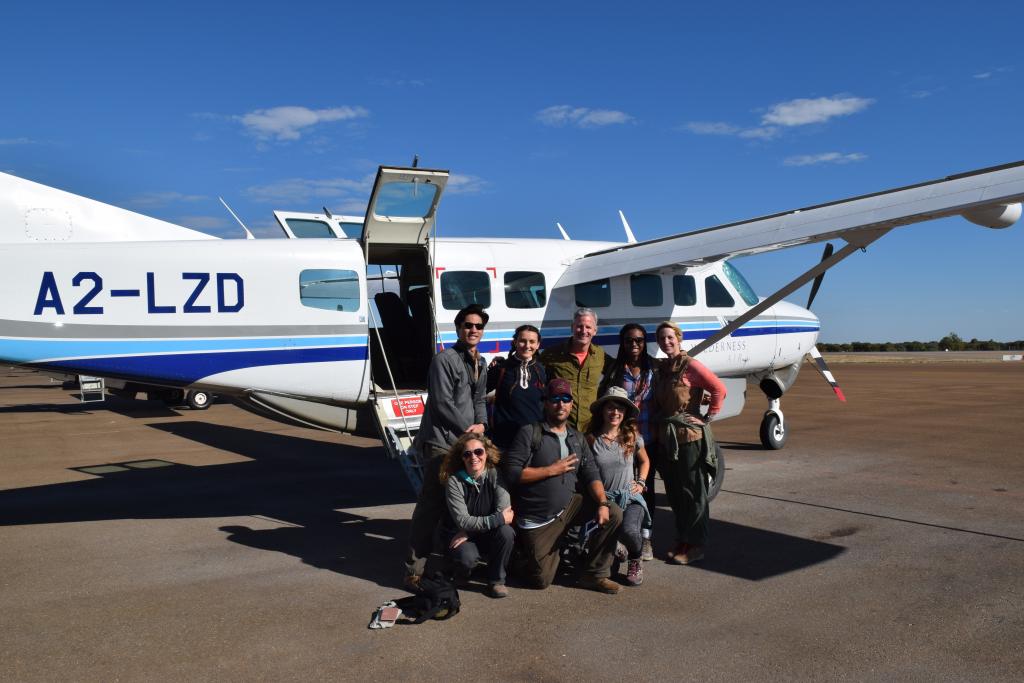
(644, 381)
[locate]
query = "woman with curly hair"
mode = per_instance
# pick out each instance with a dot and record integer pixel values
(634, 371)
(622, 460)
(685, 445)
(479, 511)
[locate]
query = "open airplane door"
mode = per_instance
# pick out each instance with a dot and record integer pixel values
(399, 223)
(402, 207)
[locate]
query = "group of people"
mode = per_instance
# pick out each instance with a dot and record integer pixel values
(573, 441)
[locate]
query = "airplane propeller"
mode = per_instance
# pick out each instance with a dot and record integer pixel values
(821, 276)
(819, 363)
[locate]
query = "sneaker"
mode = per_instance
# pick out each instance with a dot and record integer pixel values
(676, 555)
(601, 584)
(497, 590)
(635, 573)
(621, 554)
(647, 552)
(692, 553)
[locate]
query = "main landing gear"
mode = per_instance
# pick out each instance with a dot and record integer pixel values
(773, 427)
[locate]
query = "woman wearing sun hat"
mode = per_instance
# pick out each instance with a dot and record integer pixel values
(622, 460)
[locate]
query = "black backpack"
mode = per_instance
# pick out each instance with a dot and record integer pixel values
(436, 598)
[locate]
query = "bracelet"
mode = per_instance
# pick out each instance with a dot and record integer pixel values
(641, 483)
(604, 504)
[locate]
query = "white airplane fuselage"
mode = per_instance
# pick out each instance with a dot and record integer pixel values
(230, 318)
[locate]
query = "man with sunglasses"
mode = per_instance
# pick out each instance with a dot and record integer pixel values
(456, 387)
(546, 466)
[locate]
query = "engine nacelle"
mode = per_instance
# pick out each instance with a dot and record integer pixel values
(994, 215)
(774, 383)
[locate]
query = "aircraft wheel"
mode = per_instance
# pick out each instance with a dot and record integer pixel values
(715, 484)
(773, 434)
(198, 400)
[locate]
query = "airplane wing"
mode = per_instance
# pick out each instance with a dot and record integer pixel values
(986, 196)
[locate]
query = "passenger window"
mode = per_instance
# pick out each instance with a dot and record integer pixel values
(596, 294)
(524, 289)
(302, 228)
(351, 230)
(331, 290)
(460, 288)
(684, 290)
(645, 290)
(716, 293)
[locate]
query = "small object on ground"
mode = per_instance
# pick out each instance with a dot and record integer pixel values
(635, 573)
(385, 616)
(497, 590)
(647, 552)
(601, 584)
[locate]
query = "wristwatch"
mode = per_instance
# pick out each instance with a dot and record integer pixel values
(604, 504)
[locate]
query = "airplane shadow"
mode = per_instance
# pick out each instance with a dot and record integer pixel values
(305, 485)
(741, 446)
(742, 551)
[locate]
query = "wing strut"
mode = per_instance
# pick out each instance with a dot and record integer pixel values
(855, 240)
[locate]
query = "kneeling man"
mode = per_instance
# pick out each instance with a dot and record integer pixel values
(543, 468)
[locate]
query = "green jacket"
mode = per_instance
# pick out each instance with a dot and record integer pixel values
(585, 380)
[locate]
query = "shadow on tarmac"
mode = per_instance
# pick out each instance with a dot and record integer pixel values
(304, 483)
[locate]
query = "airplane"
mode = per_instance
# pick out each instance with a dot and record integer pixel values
(335, 326)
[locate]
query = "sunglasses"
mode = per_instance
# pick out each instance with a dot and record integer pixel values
(472, 326)
(475, 453)
(561, 398)
(635, 341)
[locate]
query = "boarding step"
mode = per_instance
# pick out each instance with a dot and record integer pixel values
(398, 416)
(91, 389)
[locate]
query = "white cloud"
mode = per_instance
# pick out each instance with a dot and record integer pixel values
(288, 123)
(723, 128)
(152, 200)
(299, 190)
(16, 141)
(983, 75)
(824, 158)
(802, 111)
(582, 117)
(464, 184)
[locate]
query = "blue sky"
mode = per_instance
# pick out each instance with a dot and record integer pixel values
(683, 115)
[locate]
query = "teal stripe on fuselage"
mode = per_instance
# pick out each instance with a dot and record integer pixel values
(35, 350)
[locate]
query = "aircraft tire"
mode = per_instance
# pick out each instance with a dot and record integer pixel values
(715, 485)
(198, 400)
(773, 435)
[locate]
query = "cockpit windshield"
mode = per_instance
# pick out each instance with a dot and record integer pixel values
(740, 283)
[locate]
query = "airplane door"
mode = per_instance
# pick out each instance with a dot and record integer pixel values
(402, 208)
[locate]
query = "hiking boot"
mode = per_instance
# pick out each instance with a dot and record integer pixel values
(635, 573)
(601, 584)
(647, 552)
(621, 554)
(411, 583)
(692, 553)
(497, 590)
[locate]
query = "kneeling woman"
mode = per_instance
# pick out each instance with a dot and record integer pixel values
(480, 512)
(685, 444)
(622, 460)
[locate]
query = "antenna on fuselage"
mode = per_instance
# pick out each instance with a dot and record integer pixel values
(248, 235)
(327, 212)
(629, 233)
(565, 235)
(415, 160)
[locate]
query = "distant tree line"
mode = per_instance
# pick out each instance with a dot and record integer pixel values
(951, 342)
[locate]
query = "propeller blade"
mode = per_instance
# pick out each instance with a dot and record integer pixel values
(817, 280)
(822, 367)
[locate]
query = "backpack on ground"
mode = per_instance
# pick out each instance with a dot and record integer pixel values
(436, 598)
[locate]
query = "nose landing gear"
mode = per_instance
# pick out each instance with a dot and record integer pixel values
(773, 428)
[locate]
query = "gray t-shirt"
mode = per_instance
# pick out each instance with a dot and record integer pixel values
(616, 471)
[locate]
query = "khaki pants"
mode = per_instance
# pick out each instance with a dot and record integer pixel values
(539, 547)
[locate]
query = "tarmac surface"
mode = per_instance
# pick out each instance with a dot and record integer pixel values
(885, 541)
